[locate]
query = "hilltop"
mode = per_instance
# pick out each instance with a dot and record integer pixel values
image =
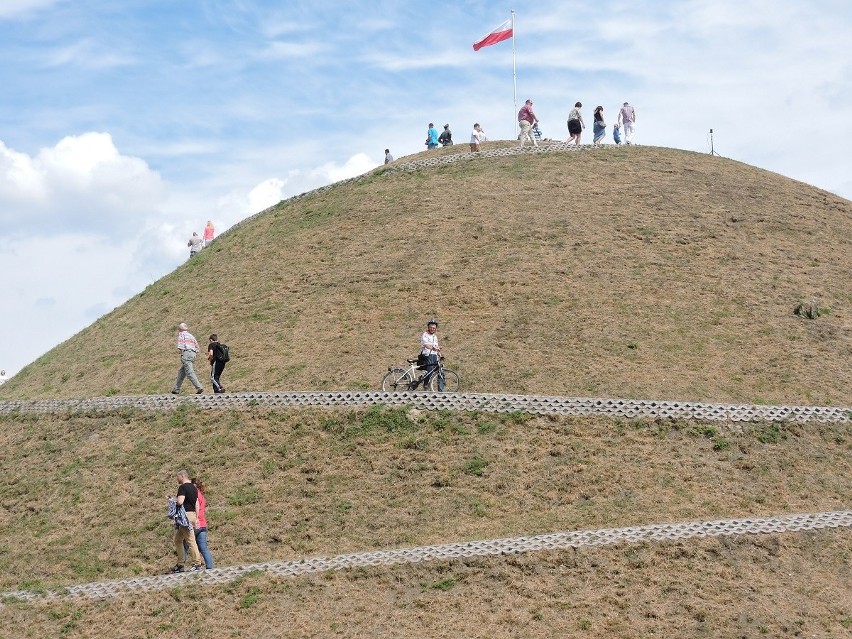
(627, 272)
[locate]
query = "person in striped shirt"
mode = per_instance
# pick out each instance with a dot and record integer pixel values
(188, 348)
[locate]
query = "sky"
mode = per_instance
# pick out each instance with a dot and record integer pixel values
(126, 124)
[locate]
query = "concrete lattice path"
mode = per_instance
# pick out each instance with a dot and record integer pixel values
(465, 549)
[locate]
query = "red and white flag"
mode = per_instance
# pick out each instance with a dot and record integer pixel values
(503, 32)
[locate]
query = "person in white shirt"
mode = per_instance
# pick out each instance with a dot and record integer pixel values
(477, 137)
(627, 120)
(2, 377)
(430, 350)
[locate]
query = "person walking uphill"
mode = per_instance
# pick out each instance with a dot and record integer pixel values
(526, 120)
(187, 496)
(217, 356)
(188, 347)
(195, 244)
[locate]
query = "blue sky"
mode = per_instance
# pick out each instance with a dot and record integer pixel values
(126, 124)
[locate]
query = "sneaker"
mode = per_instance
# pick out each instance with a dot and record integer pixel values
(199, 391)
(174, 392)
(175, 569)
(196, 568)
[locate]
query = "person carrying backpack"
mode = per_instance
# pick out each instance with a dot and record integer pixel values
(218, 355)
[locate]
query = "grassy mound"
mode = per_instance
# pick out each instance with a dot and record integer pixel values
(630, 272)
(89, 491)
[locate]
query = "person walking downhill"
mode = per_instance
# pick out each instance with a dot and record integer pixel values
(526, 120)
(187, 496)
(200, 529)
(217, 360)
(188, 348)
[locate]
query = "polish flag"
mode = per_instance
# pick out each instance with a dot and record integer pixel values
(503, 32)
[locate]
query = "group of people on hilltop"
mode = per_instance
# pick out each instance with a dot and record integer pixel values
(218, 355)
(625, 127)
(433, 139)
(197, 243)
(626, 121)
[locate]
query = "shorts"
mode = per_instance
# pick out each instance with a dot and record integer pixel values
(574, 127)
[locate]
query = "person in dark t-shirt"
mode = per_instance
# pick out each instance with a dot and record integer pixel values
(187, 496)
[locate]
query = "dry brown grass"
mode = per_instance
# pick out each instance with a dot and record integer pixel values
(89, 490)
(631, 272)
(789, 586)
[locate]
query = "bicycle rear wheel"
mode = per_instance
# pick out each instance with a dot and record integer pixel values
(445, 381)
(397, 380)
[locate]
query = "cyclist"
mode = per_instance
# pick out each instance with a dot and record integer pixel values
(429, 351)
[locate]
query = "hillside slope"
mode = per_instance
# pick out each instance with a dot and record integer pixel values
(628, 272)
(89, 490)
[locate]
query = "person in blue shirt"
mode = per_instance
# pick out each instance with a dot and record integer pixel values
(432, 137)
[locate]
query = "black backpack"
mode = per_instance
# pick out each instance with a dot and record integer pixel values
(224, 354)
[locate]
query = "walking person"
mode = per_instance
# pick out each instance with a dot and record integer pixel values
(195, 244)
(599, 126)
(216, 358)
(627, 119)
(446, 137)
(209, 232)
(526, 120)
(188, 347)
(477, 137)
(388, 156)
(575, 124)
(200, 529)
(187, 496)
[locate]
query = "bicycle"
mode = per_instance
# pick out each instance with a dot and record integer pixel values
(401, 380)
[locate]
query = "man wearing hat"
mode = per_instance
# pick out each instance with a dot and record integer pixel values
(446, 137)
(188, 347)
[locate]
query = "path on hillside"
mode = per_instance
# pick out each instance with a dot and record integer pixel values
(448, 552)
(487, 402)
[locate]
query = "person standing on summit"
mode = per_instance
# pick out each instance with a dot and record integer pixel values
(432, 137)
(627, 118)
(526, 120)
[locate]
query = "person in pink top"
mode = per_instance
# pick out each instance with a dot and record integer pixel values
(209, 232)
(201, 525)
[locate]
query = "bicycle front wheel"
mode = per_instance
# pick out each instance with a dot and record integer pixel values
(445, 381)
(397, 380)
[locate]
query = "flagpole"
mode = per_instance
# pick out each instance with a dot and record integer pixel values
(514, 77)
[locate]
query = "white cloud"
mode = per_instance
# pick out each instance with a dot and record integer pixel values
(82, 183)
(87, 54)
(266, 194)
(13, 8)
(356, 165)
